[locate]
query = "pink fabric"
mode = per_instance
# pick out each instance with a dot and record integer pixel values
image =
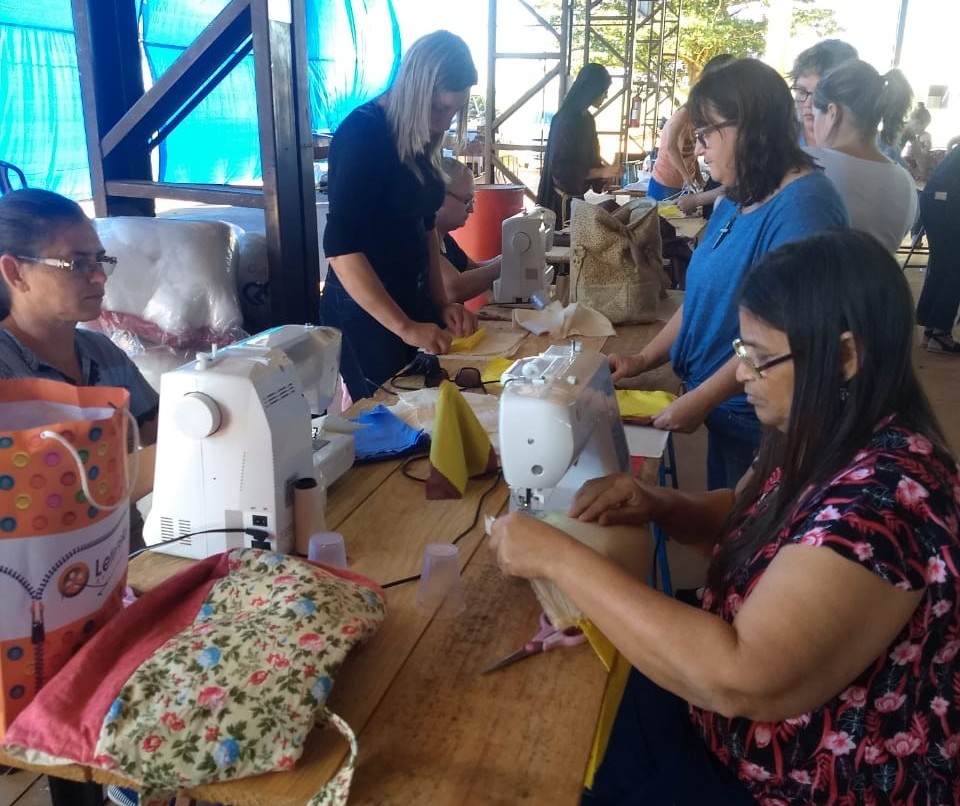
(65, 719)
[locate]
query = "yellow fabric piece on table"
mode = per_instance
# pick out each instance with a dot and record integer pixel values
(493, 371)
(669, 211)
(618, 670)
(464, 344)
(636, 403)
(459, 447)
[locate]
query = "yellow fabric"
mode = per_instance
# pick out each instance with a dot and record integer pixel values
(612, 694)
(495, 369)
(459, 447)
(670, 210)
(464, 344)
(618, 670)
(634, 403)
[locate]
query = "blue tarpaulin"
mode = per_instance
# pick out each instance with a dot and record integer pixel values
(353, 51)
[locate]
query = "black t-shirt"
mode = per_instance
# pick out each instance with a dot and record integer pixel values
(379, 207)
(457, 257)
(572, 150)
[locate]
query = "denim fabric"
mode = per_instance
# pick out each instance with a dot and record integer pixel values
(732, 441)
(656, 757)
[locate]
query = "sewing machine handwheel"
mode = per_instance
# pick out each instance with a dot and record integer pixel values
(197, 415)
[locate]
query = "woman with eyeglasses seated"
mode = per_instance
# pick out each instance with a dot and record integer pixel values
(848, 105)
(52, 275)
(808, 67)
(747, 134)
(463, 277)
(385, 289)
(572, 163)
(824, 663)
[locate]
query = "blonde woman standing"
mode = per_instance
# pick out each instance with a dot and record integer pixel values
(385, 289)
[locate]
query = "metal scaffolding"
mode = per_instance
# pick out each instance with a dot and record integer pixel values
(637, 40)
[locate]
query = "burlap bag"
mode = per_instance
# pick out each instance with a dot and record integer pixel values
(616, 263)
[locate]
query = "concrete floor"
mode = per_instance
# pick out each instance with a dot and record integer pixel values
(939, 375)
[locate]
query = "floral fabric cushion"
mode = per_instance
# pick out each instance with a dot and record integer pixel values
(236, 692)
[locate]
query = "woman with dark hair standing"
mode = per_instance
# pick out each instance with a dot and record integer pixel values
(385, 290)
(677, 168)
(572, 162)
(849, 104)
(823, 666)
(774, 195)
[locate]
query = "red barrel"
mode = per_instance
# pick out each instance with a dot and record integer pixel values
(480, 237)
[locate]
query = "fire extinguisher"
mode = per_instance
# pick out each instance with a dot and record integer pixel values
(635, 111)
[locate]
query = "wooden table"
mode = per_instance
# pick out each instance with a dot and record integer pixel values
(431, 729)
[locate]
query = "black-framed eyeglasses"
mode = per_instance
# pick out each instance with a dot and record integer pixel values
(800, 95)
(81, 264)
(466, 201)
(465, 378)
(703, 133)
(740, 350)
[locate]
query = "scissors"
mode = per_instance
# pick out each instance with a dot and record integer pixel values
(547, 638)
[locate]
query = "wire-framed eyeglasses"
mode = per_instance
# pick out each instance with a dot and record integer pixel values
(740, 350)
(466, 201)
(703, 133)
(80, 264)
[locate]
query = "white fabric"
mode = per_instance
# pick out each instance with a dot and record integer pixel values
(177, 275)
(881, 198)
(576, 319)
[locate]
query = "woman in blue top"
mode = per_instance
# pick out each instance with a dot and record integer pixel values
(747, 135)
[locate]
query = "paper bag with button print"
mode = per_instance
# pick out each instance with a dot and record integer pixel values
(64, 526)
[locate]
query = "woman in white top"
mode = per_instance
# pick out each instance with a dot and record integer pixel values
(849, 104)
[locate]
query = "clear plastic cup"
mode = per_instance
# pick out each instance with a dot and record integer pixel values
(441, 593)
(327, 548)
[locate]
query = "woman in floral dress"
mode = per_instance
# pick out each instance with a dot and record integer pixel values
(823, 666)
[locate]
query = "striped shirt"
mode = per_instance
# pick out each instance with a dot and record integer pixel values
(102, 363)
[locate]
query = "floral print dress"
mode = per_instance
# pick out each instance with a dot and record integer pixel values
(893, 735)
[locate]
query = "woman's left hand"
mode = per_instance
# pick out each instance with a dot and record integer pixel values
(685, 414)
(526, 546)
(459, 320)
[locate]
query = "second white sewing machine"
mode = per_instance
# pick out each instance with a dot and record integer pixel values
(235, 433)
(527, 237)
(559, 427)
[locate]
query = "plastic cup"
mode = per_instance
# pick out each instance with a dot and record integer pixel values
(441, 593)
(327, 548)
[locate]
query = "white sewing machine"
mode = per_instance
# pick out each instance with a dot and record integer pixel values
(235, 433)
(527, 236)
(559, 427)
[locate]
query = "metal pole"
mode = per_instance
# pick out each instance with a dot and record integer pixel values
(489, 112)
(901, 29)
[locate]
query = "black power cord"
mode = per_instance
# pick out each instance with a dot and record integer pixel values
(459, 537)
(261, 535)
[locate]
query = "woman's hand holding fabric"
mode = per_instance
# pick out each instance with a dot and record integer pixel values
(685, 414)
(427, 336)
(527, 546)
(615, 499)
(459, 320)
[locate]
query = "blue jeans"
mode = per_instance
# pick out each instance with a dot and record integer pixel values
(732, 442)
(370, 353)
(656, 757)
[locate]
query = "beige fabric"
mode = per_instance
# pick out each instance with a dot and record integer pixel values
(616, 264)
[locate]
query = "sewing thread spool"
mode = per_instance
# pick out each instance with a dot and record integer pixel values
(309, 503)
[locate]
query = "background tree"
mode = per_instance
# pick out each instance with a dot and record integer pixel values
(711, 27)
